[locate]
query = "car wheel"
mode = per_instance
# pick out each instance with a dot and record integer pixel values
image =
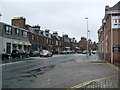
(20, 56)
(28, 56)
(9, 57)
(13, 56)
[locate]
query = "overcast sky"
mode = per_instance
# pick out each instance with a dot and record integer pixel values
(66, 16)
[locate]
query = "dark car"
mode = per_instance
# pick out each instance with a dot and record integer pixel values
(19, 53)
(55, 52)
(34, 53)
(5, 55)
(79, 51)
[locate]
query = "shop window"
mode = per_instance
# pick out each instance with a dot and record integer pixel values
(19, 47)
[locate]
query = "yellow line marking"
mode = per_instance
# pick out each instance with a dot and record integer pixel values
(113, 66)
(88, 82)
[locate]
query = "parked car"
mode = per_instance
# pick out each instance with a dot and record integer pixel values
(73, 51)
(19, 53)
(94, 52)
(55, 52)
(79, 51)
(34, 53)
(63, 52)
(84, 52)
(45, 53)
(68, 51)
(5, 55)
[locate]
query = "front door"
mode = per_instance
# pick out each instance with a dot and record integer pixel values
(8, 48)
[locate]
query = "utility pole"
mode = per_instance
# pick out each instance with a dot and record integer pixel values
(62, 40)
(0, 16)
(87, 34)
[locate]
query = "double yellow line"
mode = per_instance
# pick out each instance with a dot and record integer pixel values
(95, 80)
(88, 82)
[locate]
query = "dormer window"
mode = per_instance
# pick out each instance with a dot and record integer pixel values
(47, 35)
(42, 33)
(8, 30)
(17, 31)
(24, 34)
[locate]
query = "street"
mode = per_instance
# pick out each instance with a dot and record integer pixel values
(59, 71)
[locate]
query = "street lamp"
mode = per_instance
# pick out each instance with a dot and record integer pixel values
(89, 40)
(87, 34)
(62, 40)
(104, 22)
(0, 15)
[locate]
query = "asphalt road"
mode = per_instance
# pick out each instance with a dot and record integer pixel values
(59, 71)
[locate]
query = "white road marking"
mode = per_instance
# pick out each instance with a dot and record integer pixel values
(11, 63)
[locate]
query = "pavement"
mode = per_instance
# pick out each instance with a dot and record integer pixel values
(102, 83)
(106, 82)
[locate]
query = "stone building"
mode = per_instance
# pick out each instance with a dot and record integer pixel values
(109, 34)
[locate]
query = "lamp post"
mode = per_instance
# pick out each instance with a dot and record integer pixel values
(89, 40)
(104, 22)
(62, 40)
(0, 16)
(87, 34)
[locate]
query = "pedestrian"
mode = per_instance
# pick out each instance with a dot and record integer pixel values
(89, 53)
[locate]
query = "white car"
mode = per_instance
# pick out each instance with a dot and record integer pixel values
(94, 52)
(84, 52)
(45, 53)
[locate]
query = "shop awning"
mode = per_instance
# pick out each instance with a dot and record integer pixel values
(27, 43)
(20, 42)
(37, 44)
(15, 42)
(67, 47)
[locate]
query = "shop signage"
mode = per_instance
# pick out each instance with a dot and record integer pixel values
(106, 44)
(116, 48)
(115, 21)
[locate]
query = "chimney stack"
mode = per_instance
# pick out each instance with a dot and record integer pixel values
(19, 22)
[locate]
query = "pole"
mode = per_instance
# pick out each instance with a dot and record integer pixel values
(111, 39)
(62, 40)
(104, 22)
(87, 35)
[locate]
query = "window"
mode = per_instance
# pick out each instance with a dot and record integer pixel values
(47, 41)
(47, 35)
(24, 33)
(33, 37)
(56, 42)
(17, 32)
(41, 32)
(37, 38)
(8, 30)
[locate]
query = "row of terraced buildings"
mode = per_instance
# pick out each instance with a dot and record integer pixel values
(20, 35)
